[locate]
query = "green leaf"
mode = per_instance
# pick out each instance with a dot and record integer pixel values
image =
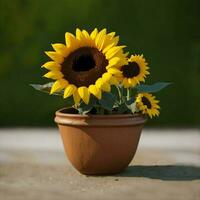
(123, 91)
(116, 92)
(85, 108)
(107, 101)
(130, 101)
(46, 88)
(152, 88)
(122, 108)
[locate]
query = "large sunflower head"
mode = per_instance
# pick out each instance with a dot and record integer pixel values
(134, 72)
(86, 64)
(147, 104)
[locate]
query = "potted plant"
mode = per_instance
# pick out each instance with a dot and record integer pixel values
(106, 104)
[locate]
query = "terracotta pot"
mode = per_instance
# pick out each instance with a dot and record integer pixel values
(99, 144)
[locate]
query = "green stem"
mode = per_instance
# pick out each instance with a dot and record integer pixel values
(128, 94)
(120, 94)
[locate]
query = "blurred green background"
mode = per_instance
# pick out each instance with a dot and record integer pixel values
(167, 32)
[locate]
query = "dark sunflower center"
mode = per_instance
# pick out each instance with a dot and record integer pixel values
(84, 66)
(83, 63)
(131, 70)
(146, 102)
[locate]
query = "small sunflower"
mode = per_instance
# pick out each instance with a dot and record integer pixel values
(134, 72)
(86, 64)
(147, 103)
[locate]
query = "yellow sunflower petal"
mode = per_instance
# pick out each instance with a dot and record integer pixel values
(86, 34)
(108, 47)
(113, 51)
(100, 39)
(54, 75)
(95, 91)
(79, 34)
(84, 94)
(120, 54)
(94, 34)
(112, 62)
(130, 81)
(157, 112)
(55, 56)
(112, 34)
(69, 90)
(106, 87)
(133, 82)
(150, 115)
(114, 81)
(102, 42)
(101, 84)
(60, 48)
(76, 97)
(71, 41)
(122, 62)
(59, 85)
(106, 77)
(125, 83)
(110, 43)
(52, 65)
(114, 71)
(115, 40)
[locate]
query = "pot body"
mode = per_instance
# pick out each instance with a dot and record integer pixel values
(100, 144)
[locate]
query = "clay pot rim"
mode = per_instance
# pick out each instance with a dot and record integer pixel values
(62, 114)
(99, 120)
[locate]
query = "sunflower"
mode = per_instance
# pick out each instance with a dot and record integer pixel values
(86, 64)
(134, 72)
(147, 103)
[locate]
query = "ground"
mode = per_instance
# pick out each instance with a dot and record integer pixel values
(33, 166)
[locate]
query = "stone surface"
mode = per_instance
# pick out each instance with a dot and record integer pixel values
(33, 166)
